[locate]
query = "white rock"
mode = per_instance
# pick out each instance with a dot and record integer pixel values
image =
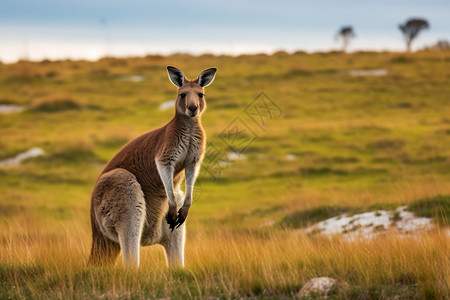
(236, 156)
(167, 104)
(14, 161)
(410, 223)
(290, 156)
(10, 108)
(370, 224)
(371, 72)
(320, 286)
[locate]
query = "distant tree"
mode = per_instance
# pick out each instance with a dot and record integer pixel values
(345, 34)
(440, 45)
(411, 30)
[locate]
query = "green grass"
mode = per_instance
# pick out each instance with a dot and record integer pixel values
(437, 207)
(303, 218)
(342, 144)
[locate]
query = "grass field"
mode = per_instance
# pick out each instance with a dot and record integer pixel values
(325, 143)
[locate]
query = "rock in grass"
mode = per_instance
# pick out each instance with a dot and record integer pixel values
(16, 160)
(10, 108)
(318, 288)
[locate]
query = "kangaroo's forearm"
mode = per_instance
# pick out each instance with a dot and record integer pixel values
(166, 172)
(191, 173)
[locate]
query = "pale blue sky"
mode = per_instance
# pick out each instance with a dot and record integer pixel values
(91, 29)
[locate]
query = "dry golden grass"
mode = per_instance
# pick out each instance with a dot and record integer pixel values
(227, 264)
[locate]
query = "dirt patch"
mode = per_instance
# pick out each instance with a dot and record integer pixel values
(132, 78)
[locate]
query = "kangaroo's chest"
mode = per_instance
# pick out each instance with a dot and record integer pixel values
(189, 149)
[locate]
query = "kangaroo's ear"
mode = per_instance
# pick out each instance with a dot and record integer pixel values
(176, 76)
(206, 77)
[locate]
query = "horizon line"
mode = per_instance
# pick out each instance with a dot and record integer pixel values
(206, 53)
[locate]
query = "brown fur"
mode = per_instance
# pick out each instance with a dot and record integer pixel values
(133, 170)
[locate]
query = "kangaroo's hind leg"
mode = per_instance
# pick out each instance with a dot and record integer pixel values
(120, 212)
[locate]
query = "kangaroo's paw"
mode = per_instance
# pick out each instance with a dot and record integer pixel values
(171, 217)
(182, 215)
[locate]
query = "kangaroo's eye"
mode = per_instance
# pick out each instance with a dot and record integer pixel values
(182, 95)
(201, 95)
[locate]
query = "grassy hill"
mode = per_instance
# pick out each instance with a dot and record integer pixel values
(315, 139)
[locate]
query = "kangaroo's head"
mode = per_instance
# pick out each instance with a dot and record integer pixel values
(191, 94)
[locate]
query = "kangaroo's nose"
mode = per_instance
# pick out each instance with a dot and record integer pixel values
(193, 110)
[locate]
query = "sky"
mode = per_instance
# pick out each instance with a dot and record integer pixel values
(81, 29)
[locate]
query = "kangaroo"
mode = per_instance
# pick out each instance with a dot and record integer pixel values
(141, 183)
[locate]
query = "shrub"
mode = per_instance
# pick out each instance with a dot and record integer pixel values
(437, 207)
(57, 105)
